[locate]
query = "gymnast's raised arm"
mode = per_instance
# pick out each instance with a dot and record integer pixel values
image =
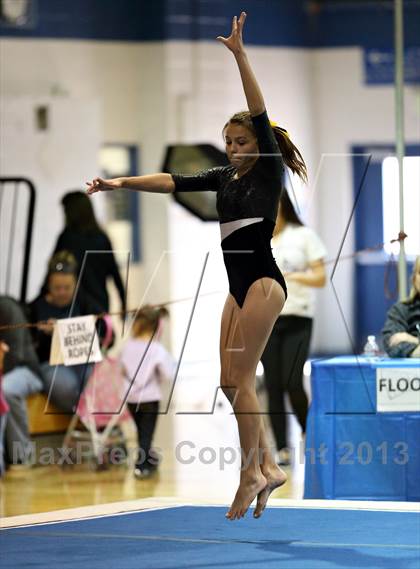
(235, 44)
(157, 183)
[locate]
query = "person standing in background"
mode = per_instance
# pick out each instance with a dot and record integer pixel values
(82, 233)
(299, 254)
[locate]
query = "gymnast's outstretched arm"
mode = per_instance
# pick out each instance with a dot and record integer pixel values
(157, 183)
(235, 44)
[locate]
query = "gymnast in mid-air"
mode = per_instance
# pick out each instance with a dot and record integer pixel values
(248, 194)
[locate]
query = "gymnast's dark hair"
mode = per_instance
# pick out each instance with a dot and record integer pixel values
(79, 213)
(290, 153)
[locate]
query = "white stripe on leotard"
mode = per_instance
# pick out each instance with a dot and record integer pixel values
(231, 226)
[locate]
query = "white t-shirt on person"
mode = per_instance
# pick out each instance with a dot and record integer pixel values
(294, 249)
(157, 365)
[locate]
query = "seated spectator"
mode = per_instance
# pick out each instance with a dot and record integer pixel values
(401, 333)
(64, 384)
(4, 348)
(82, 233)
(22, 377)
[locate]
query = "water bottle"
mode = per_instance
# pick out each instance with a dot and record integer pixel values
(371, 348)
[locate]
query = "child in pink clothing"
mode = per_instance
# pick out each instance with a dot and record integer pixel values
(146, 365)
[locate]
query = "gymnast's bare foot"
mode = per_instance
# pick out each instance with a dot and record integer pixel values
(249, 487)
(276, 477)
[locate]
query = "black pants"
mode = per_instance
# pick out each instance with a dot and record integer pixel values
(283, 360)
(145, 416)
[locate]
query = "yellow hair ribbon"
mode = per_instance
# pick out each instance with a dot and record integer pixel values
(284, 131)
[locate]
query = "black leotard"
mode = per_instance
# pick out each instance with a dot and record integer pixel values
(247, 251)
(256, 193)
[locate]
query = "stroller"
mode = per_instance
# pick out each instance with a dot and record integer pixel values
(101, 407)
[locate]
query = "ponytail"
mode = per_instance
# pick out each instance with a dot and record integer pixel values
(290, 153)
(149, 319)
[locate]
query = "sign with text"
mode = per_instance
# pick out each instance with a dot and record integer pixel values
(379, 66)
(398, 389)
(75, 341)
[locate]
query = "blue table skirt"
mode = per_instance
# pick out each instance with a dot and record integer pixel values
(353, 452)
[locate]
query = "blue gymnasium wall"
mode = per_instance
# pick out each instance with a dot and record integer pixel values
(293, 23)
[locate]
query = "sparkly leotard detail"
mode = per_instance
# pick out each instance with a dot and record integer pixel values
(247, 208)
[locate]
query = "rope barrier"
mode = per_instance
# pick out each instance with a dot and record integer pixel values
(391, 261)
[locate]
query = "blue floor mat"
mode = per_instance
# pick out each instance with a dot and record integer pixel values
(201, 537)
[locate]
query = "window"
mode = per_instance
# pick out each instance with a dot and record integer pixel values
(390, 201)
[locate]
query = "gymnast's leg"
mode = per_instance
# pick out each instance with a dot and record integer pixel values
(244, 334)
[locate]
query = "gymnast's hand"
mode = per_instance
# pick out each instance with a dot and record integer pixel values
(234, 41)
(101, 185)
